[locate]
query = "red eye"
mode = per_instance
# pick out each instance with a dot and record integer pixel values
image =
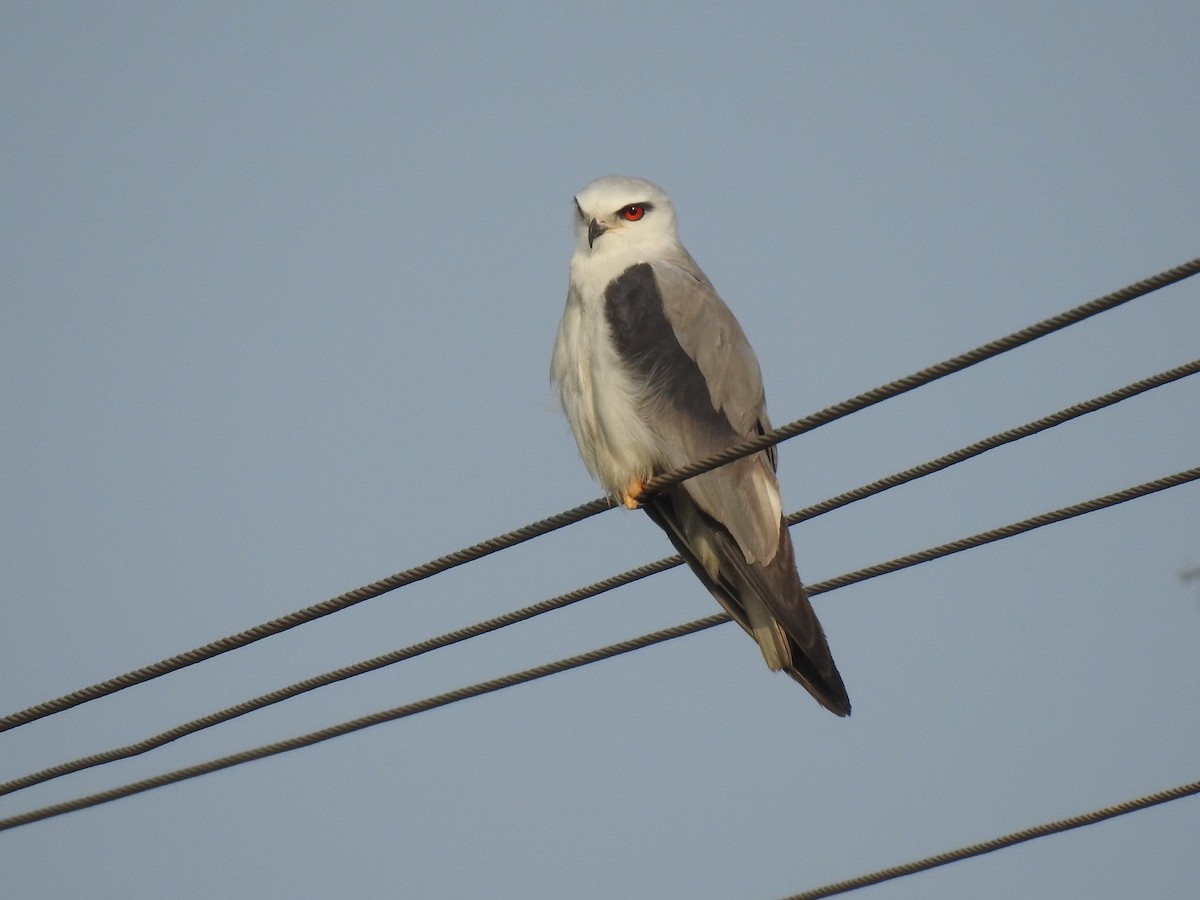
(633, 212)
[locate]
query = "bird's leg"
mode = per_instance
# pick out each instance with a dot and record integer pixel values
(629, 496)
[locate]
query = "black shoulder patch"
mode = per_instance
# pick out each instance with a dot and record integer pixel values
(646, 342)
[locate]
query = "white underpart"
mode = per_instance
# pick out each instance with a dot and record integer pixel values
(603, 400)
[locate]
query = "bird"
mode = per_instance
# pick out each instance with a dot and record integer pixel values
(653, 371)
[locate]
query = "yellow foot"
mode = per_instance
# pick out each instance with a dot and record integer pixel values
(630, 495)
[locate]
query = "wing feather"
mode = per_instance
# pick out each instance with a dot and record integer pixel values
(728, 524)
(744, 495)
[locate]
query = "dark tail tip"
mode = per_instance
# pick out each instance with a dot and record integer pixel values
(827, 689)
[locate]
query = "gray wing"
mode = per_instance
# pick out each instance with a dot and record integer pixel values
(711, 336)
(704, 392)
(702, 377)
(744, 495)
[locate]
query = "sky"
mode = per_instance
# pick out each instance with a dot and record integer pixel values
(281, 283)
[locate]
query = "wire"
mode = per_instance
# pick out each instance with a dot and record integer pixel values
(927, 375)
(341, 674)
(999, 843)
(302, 616)
(583, 659)
(1007, 531)
(997, 440)
(615, 581)
(544, 526)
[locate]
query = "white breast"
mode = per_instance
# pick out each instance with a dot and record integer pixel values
(604, 403)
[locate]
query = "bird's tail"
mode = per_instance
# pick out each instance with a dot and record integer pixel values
(768, 601)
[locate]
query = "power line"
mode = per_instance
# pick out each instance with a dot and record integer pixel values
(588, 658)
(336, 675)
(999, 843)
(615, 581)
(302, 616)
(1012, 530)
(997, 440)
(544, 526)
(929, 374)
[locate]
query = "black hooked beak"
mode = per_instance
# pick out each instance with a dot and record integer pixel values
(595, 229)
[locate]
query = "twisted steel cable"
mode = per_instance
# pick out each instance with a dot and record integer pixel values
(303, 616)
(927, 375)
(561, 520)
(575, 596)
(583, 659)
(336, 675)
(997, 440)
(999, 843)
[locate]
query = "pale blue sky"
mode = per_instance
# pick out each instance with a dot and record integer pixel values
(281, 283)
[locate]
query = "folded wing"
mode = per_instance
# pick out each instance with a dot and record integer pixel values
(703, 391)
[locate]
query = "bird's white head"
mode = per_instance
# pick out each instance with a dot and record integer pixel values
(629, 218)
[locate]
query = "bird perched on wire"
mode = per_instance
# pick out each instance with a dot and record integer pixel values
(653, 372)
